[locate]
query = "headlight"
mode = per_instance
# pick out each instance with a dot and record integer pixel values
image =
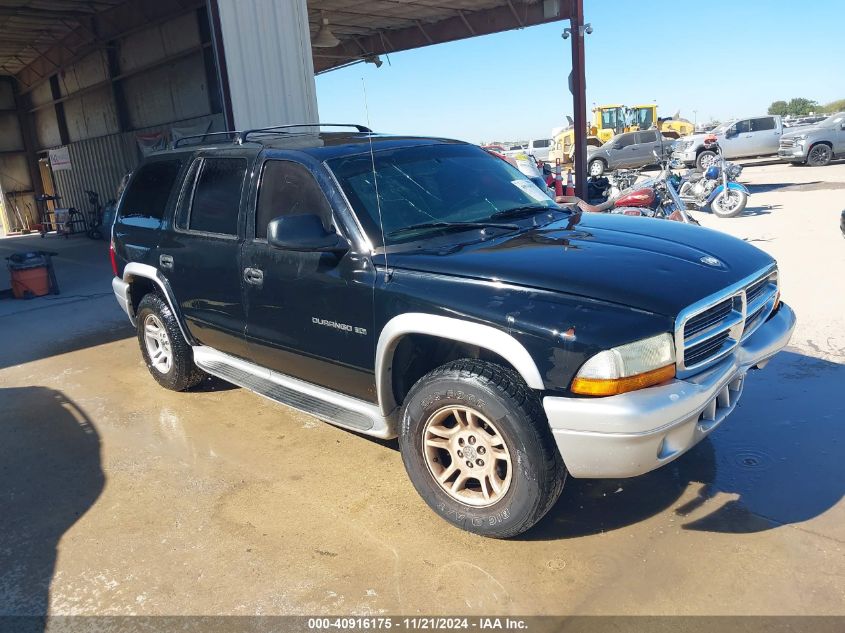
(628, 367)
(799, 138)
(683, 146)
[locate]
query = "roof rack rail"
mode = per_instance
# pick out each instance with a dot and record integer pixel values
(235, 134)
(282, 129)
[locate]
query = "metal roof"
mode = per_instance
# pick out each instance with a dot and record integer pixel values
(38, 37)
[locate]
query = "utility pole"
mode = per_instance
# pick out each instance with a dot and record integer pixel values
(578, 30)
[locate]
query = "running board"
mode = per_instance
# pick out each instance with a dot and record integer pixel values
(331, 406)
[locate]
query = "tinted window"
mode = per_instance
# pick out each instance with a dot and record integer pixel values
(648, 137)
(741, 127)
(543, 143)
(766, 123)
(184, 205)
(288, 188)
(217, 196)
(625, 140)
(150, 189)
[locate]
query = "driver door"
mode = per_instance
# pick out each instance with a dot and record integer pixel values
(739, 140)
(309, 314)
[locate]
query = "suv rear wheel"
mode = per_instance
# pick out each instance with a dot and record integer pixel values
(166, 353)
(477, 447)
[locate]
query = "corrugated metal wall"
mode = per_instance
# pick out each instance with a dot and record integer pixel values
(269, 46)
(99, 164)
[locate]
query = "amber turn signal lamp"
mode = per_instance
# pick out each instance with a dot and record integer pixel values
(615, 386)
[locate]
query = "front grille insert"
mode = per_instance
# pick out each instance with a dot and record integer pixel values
(710, 330)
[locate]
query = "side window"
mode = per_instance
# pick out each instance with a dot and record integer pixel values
(762, 124)
(649, 136)
(288, 188)
(150, 189)
(625, 140)
(542, 143)
(742, 127)
(187, 196)
(217, 196)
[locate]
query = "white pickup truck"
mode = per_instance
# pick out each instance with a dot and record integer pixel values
(738, 138)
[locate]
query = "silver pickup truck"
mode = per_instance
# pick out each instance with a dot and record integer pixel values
(816, 145)
(738, 138)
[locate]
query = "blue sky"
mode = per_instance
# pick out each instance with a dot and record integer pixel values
(721, 58)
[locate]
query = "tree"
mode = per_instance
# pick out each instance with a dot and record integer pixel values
(801, 107)
(779, 107)
(835, 106)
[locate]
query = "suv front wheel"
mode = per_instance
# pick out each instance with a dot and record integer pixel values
(477, 447)
(166, 353)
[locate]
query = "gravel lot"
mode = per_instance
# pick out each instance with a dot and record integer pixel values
(118, 497)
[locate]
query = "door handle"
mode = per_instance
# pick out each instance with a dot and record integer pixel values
(254, 276)
(165, 261)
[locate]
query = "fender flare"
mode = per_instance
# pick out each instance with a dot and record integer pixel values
(484, 336)
(145, 271)
(738, 186)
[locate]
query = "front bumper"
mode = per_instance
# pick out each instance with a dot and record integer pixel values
(687, 157)
(795, 153)
(633, 433)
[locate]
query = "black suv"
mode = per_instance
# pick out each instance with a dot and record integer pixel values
(421, 288)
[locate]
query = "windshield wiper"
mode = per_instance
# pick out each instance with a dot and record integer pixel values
(521, 212)
(452, 226)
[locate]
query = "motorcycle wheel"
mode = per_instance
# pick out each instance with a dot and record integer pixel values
(729, 204)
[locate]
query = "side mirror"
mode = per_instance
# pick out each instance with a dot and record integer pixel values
(304, 233)
(842, 126)
(617, 146)
(730, 132)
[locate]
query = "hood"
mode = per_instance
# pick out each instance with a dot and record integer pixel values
(649, 264)
(804, 129)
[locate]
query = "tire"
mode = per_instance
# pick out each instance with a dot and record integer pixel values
(705, 159)
(729, 211)
(819, 155)
(596, 167)
(506, 419)
(158, 330)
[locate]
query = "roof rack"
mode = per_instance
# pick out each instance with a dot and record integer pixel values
(241, 136)
(282, 129)
(233, 133)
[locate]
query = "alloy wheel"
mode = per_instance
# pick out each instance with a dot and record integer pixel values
(467, 456)
(158, 344)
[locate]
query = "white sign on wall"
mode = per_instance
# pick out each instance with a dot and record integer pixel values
(59, 158)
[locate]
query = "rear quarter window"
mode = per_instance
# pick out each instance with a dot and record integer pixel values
(145, 200)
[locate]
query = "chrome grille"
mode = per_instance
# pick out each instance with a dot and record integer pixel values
(787, 142)
(711, 329)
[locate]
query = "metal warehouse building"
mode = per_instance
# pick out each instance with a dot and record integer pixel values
(87, 87)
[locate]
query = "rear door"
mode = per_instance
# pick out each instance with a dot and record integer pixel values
(200, 256)
(311, 315)
(648, 142)
(623, 151)
(765, 135)
(739, 141)
(839, 135)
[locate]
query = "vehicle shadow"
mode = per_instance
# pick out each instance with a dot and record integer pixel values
(777, 186)
(51, 473)
(773, 462)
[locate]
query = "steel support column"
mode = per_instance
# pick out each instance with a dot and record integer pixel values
(579, 97)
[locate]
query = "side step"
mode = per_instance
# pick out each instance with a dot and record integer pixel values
(328, 405)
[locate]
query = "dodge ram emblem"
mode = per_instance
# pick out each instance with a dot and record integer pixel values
(711, 261)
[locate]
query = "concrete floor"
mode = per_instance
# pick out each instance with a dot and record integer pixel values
(118, 497)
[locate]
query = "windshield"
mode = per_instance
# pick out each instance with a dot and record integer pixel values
(719, 129)
(833, 120)
(432, 184)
